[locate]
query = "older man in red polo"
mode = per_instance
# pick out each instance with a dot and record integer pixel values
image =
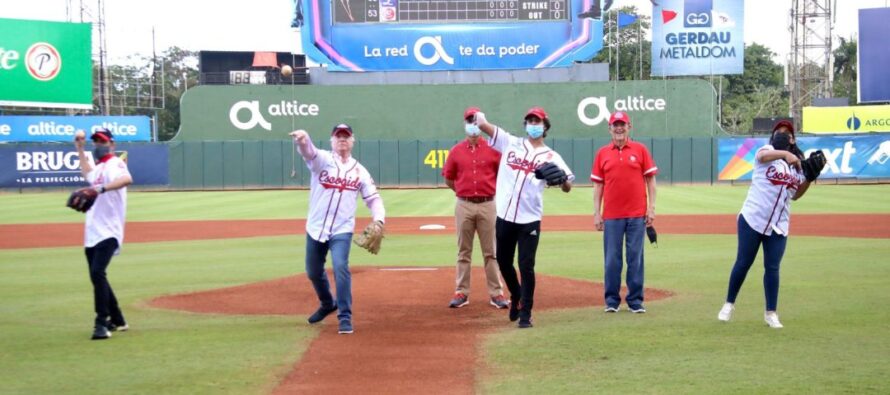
(623, 174)
(471, 172)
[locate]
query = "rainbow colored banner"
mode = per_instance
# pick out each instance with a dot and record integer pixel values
(856, 157)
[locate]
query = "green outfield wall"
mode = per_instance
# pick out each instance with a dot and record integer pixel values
(213, 165)
(660, 109)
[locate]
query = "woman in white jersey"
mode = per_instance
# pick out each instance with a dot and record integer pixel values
(337, 182)
(104, 226)
(520, 204)
(765, 216)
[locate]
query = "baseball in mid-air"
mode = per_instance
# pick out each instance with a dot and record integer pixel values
(286, 70)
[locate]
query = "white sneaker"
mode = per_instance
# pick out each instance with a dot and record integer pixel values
(725, 313)
(772, 319)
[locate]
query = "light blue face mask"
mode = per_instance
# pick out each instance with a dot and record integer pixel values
(534, 131)
(472, 129)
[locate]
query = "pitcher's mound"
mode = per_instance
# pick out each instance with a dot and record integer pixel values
(406, 338)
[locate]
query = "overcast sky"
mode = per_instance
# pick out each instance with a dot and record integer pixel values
(265, 24)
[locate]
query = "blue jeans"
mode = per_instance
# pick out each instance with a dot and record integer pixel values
(315, 257)
(630, 231)
(749, 244)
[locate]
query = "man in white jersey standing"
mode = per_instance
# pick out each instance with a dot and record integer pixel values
(337, 181)
(520, 204)
(104, 227)
(765, 216)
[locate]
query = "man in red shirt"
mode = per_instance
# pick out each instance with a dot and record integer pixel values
(623, 174)
(470, 171)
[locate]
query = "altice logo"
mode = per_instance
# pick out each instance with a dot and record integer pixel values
(853, 123)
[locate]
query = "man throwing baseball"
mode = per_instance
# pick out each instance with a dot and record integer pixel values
(527, 166)
(104, 226)
(337, 181)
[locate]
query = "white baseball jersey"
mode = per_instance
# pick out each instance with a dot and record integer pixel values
(106, 218)
(519, 198)
(768, 205)
(333, 194)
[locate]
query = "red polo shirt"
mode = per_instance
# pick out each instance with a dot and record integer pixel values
(622, 173)
(474, 170)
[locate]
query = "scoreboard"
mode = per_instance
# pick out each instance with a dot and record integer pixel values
(418, 35)
(448, 11)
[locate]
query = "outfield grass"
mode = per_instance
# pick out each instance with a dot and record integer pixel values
(173, 206)
(834, 340)
(836, 337)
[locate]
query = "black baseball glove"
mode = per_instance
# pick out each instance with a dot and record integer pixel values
(82, 199)
(551, 173)
(812, 166)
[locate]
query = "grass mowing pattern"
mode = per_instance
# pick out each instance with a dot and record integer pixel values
(831, 301)
(174, 206)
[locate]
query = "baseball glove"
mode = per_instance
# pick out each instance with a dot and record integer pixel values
(812, 166)
(551, 173)
(652, 234)
(82, 199)
(371, 237)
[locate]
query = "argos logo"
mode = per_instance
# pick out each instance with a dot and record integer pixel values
(853, 123)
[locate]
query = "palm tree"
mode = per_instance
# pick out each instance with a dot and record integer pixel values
(845, 69)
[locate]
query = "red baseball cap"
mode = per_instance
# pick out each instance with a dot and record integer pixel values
(342, 128)
(619, 116)
(786, 123)
(470, 112)
(536, 111)
(103, 135)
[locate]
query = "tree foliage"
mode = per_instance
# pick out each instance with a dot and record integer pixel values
(153, 86)
(623, 46)
(757, 93)
(845, 72)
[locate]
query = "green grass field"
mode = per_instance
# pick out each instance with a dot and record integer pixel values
(835, 340)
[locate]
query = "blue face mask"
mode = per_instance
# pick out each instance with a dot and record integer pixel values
(472, 129)
(534, 131)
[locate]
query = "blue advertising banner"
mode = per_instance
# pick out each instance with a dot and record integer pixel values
(848, 156)
(48, 128)
(873, 55)
(54, 165)
(378, 35)
(698, 37)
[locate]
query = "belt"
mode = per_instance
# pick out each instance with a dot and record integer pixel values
(476, 199)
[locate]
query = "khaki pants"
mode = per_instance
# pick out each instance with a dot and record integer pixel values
(478, 218)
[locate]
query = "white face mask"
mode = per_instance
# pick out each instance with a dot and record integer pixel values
(472, 130)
